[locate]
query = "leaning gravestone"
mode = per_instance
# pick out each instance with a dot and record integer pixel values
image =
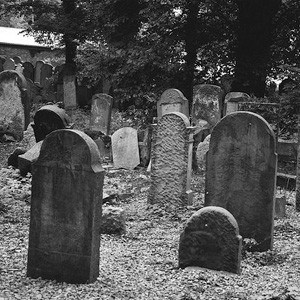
(28, 70)
(101, 113)
(67, 182)
(37, 71)
(241, 174)
(15, 109)
(46, 72)
(171, 162)
(172, 100)
(232, 100)
(207, 104)
(125, 149)
(9, 64)
(211, 239)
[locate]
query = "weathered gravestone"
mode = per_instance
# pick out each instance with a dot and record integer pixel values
(207, 104)
(9, 64)
(241, 174)
(171, 159)
(125, 148)
(46, 72)
(28, 70)
(210, 239)
(67, 182)
(37, 71)
(47, 119)
(15, 107)
(172, 100)
(101, 113)
(232, 100)
(69, 91)
(17, 60)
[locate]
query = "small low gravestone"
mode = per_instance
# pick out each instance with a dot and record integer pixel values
(125, 148)
(101, 113)
(241, 174)
(172, 100)
(67, 182)
(211, 239)
(232, 100)
(171, 160)
(9, 64)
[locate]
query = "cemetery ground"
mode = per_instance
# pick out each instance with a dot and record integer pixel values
(143, 262)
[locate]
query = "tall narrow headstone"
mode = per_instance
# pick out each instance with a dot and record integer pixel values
(9, 64)
(172, 100)
(171, 162)
(46, 72)
(232, 100)
(28, 70)
(69, 91)
(101, 113)
(67, 183)
(37, 71)
(211, 239)
(125, 149)
(241, 174)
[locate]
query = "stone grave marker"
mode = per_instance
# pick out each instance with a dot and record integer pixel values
(17, 60)
(210, 239)
(28, 70)
(37, 71)
(69, 91)
(207, 104)
(232, 100)
(47, 119)
(67, 183)
(171, 158)
(46, 72)
(9, 64)
(172, 100)
(125, 148)
(15, 109)
(241, 174)
(101, 113)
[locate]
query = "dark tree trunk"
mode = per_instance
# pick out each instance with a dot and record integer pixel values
(255, 19)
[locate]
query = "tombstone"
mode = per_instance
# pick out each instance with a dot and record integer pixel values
(101, 113)
(145, 137)
(9, 64)
(201, 152)
(210, 239)
(241, 174)
(172, 100)
(125, 148)
(69, 92)
(37, 71)
(67, 183)
(47, 119)
(232, 100)
(207, 104)
(171, 159)
(46, 72)
(15, 108)
(17, 60)
(28, 70)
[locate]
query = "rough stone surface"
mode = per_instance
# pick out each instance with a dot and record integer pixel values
(14, 112)
(241, 174)
(280, 204)
(232, 100)
(125, 149)
(69, 91)
(211, 239)
(207, 104)
(9, 64)
(28, 70)
(172, 100)
(101, 113)
(67, 183)
(113, 220)
(46, 72)
(169, 162)
(145, 137)
(202, 149)
(37, 71)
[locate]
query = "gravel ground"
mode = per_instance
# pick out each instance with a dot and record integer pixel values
(142, 264)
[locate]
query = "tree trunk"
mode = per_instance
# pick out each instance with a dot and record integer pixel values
(255, 19)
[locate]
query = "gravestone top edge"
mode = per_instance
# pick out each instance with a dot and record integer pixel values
(95, 96)
(11, 74)
(184, 118)
(180, 96)
(57, 110)
(126, 127)
(236, 96)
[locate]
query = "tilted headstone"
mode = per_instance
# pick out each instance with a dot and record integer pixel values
(67, 183)
(207, 104)
(9, 64)
(46, 72)
(171, 158)
(15, 109)
(69, 91)
(125, 149)
(101, 113)
(37, 71)
(28, 70)
(232, 100)
(210, 239)
(47, 119)
(172, 100)
(241, 174)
